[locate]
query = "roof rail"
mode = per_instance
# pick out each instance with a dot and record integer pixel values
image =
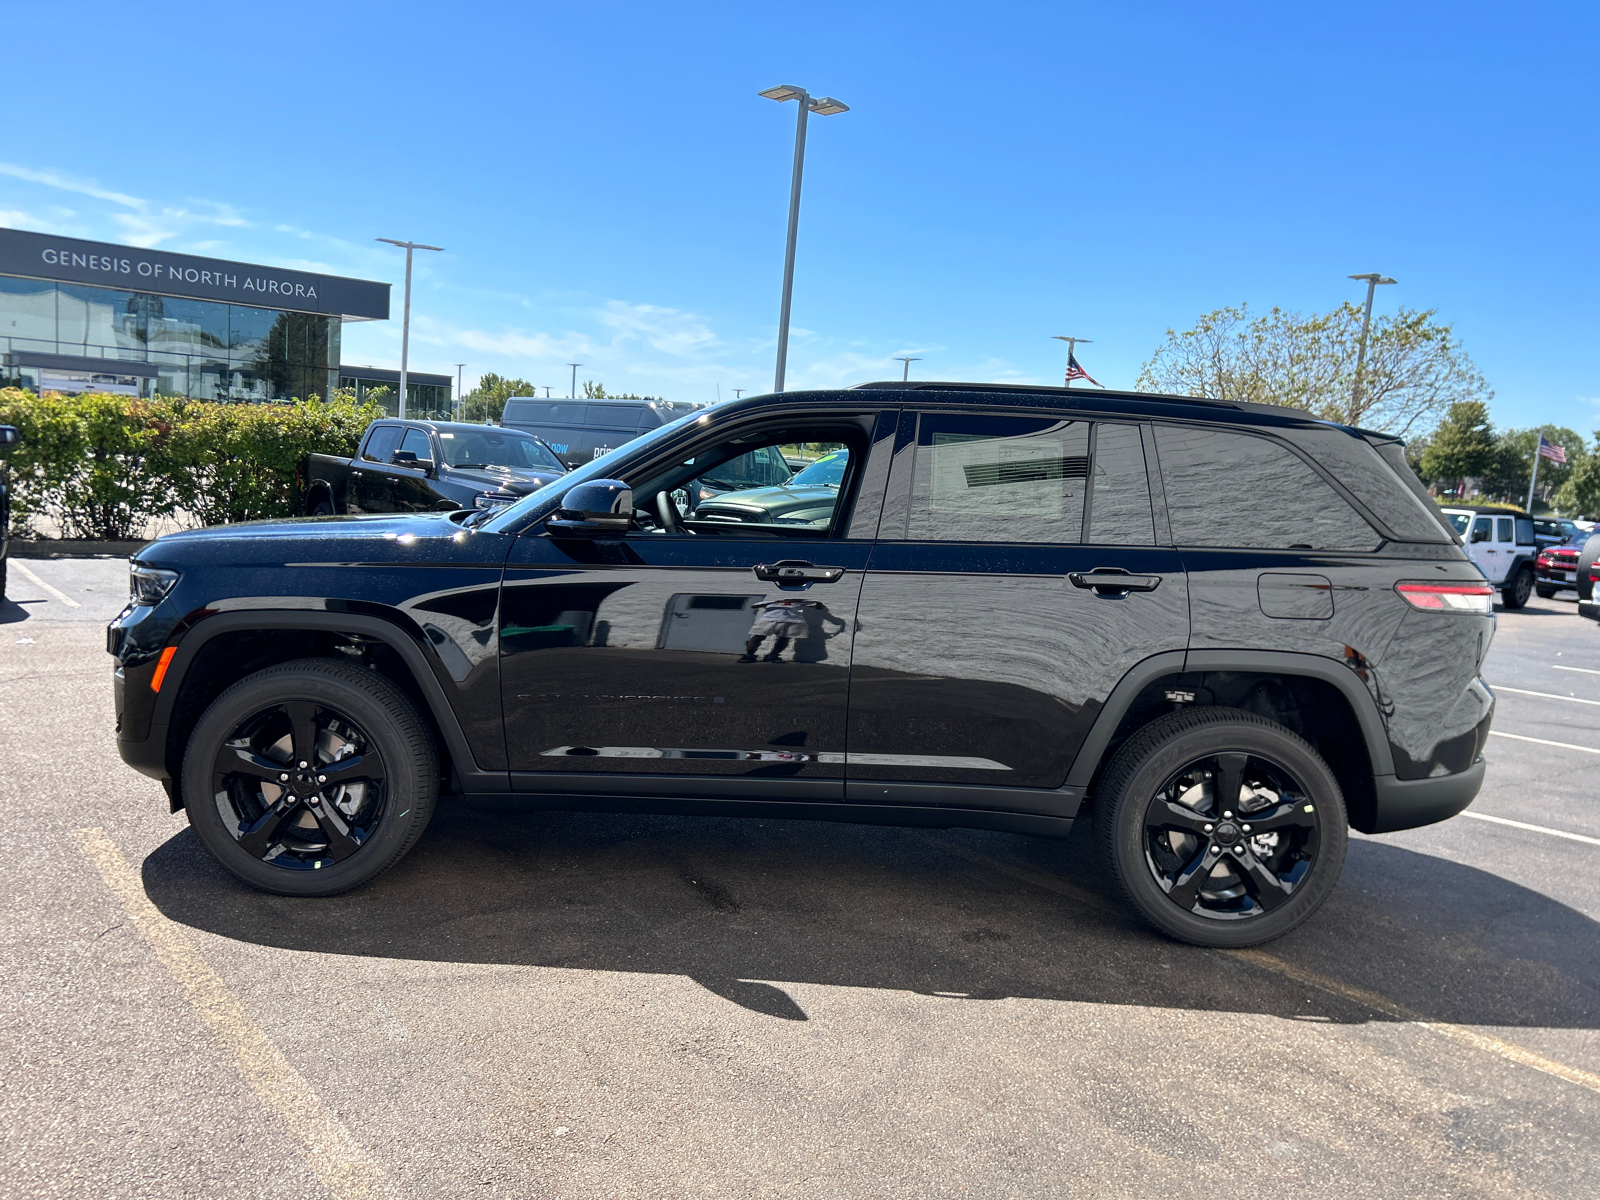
(1029, 389)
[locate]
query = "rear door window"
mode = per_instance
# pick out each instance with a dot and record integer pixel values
(1241, 491)
(999, 479)
(382, 443)
(1119, 489)
(1505, 531)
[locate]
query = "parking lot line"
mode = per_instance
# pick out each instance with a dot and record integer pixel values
(328, 1147)
(1560, 833)
(1584, 670)
(1334, 987)
(59, 595)
(1521, 737)
(1546, 695)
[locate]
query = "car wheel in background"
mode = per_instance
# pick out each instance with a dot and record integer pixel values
(310, 778)
(1586, 559)
(1545, 591)
(1517, 589)
(324, 508)
(1222, 828)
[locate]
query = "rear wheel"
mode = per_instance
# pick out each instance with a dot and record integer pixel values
(310, 778)
(1220, 827)
(1545, 591)
(1517, 589)
(324, 508)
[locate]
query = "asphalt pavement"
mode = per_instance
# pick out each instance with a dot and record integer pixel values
(566, 1005)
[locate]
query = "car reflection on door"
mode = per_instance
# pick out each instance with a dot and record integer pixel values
(715, 623)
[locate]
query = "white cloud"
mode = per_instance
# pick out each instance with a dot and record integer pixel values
(142, 231)
(67, 183)
(665, 329)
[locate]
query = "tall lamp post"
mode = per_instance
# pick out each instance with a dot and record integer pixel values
(572, 393)
(824, 106)
(906, 373)
(1373, 282)
(461, 401)
(405, 325)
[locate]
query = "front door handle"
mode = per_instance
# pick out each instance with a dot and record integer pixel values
(794, 570)
(1114, 581)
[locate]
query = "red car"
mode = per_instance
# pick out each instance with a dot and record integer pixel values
(1556, 567)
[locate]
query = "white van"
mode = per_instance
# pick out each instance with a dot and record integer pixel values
(1501, 541)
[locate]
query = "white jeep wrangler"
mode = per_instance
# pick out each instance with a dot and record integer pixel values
(1501, 541)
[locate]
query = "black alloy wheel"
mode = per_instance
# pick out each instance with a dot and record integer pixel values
(1221, 827)
(1517, 589)
(310, 778)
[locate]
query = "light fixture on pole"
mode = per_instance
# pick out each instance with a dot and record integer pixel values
(572, 394)
(546, 391)
(1373, 281)
(823, 106)
(737, 392)
(906, 373)
(461, 401)
(1072, 359)
(405, 325)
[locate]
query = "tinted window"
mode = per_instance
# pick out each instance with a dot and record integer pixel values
(381, 443)
(1233, 489)
(416, 442)
(999, 479)
(496, 448)
(1119, 491)
(1505, 530)
(1524, 531)
(1482, 529)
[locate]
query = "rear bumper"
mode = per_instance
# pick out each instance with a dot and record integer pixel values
(1408, 803)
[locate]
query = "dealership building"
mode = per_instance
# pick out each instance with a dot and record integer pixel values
(81, 316)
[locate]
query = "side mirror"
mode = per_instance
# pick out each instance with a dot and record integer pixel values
(1480, 535)
(402, 458)
(598, 509)
(8, 436)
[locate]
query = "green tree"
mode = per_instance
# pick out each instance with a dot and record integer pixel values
(597, 391)
(487, 401)
(1415, 368)
(1463, 445)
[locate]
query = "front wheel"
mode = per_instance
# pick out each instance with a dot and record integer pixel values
(1545, 591)
(1221, 828)
(1517, 589)
(310, 778)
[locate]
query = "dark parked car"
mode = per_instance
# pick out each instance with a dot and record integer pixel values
(1226, 631)
(1553, 531)
(807, 497)
(428, 466)
(1556, 567)
(8, 438)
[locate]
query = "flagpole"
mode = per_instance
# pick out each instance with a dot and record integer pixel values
(1072, 349)
(1535, 481)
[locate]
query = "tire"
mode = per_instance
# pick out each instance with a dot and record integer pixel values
(1517, 589)
(3, 562)
(310, 838)
(1586, 558)
(1546, 592)
(1156, 816)
(324, 508)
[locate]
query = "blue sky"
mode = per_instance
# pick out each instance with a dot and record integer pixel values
(610, 189)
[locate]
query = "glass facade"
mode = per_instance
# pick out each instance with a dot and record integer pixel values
(424, 401)
(203, 349)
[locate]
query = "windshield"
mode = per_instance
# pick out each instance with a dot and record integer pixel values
(509, 519)
(497, 448)
(1460, 521)
(827, 471)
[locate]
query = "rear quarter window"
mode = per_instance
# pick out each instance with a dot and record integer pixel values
(1243, 491)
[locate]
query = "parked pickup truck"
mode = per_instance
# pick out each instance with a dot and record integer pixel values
(428, 466)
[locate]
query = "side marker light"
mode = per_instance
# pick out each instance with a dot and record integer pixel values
(161, 668)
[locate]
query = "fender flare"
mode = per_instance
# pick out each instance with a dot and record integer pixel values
(1265, 662)
(408, 644)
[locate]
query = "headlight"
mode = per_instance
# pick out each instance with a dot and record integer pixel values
(148, 586)
(496, 499)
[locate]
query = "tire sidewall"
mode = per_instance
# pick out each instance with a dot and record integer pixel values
(1155, 766)
(410, 784)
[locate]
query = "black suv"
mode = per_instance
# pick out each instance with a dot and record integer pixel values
(1228, 630)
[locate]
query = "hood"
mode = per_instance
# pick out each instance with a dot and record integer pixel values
(386, 537)
(520, 480)
(775, 501)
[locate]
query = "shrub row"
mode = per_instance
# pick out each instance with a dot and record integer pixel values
(104, 467)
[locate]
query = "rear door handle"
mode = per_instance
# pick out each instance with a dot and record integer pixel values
(1108, 580)
(794, 570)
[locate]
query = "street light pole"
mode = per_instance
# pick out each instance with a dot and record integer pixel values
(1072, 348)
(1373, 281)
(572, 393)
(825, 106)
(461, 401)
(906, 373)
(405, 325)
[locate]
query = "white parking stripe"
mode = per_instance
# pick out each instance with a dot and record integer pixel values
(61, 596)
(1585, 670)
(1547, 695)
(1543, 741)
(1560, 833)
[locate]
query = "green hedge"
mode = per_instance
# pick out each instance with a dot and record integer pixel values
(104, 466)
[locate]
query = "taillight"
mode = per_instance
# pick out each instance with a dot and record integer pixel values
(1448, 597)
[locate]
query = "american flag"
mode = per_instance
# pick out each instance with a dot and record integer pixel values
(1556, 454)
(1074, 371)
